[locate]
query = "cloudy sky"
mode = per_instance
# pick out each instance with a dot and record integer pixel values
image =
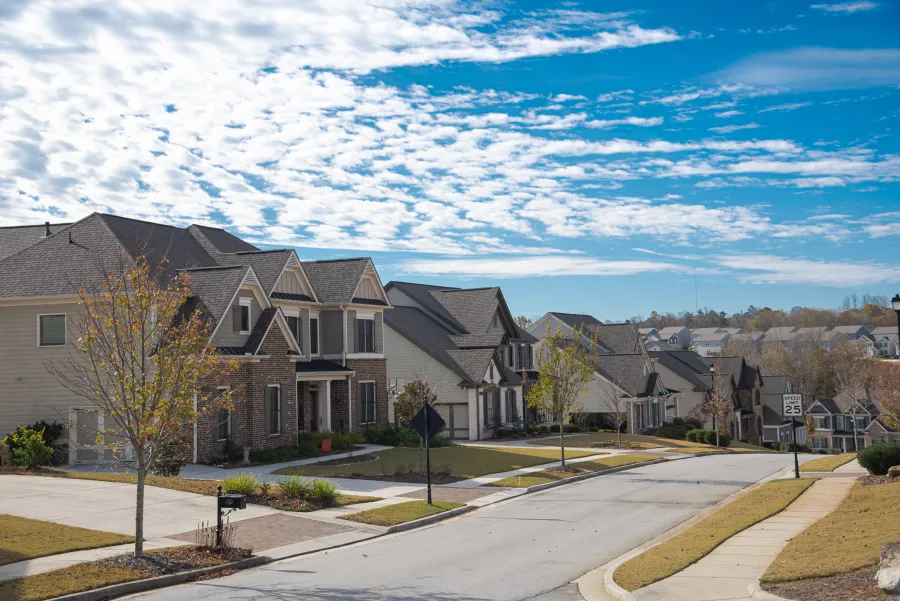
(587, 156)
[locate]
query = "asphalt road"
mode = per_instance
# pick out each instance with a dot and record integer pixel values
(527, 548)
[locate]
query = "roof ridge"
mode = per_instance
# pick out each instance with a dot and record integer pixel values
(336, 260)
(114, 216)
(259, 252)
(74, 223)
(470, 289)
(423, 285)
(10, 227)
(214, 267)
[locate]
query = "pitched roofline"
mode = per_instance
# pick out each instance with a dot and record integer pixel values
(66, 228)
(282, 325)
(377, 279)
(13, 227)
(455, 368)
(250, 270)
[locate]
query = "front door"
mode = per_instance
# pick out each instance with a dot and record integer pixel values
(314, 408)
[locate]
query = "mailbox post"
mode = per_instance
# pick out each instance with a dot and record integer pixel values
(232, 501)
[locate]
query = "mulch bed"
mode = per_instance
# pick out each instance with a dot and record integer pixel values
(347, 460)
(172, 561)
(852, 586)
(875, 480)
(285, 503)
(408, 477)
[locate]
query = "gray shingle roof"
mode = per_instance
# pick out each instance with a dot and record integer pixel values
(268, 264)
(744, 374)
(335, 282)
(321, 365)
(686, 364)
(575, 320)
(158, 242)
(427, 334)
(829, 405)
(260, 329)
(627, 372)
(216, 286)
(477, 340)
(13, 239)
(422, 294)
(474, 308)
(620, 338)
(215, 239)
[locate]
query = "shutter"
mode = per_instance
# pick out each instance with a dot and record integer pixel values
(267, 409)
(236, 318)
(374, 417)
(361, 403)
(300, 333)
(280, 411)
(357, 334)
(379, 332)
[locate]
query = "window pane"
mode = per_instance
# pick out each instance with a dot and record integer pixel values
(53, 330)
(293, 324)
(245, 318)
(313, 335)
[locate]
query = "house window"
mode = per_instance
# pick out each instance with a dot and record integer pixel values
(819, 443)
(510, 356)
(223, 423)
(52, 330)
(820, 422)
(860, 423)
(295, 327)
(512, 407)
(272, 409)
(241, 316)
(366, 398)
(365, 336)
(492, 407)
(839, 422)
(314, 335)
(525, 356)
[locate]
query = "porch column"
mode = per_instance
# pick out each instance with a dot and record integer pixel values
(740, 420)
(350, 404)
(328, 405)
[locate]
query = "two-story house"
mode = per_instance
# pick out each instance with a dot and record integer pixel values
(710, 345)
(466, 345)
(885, 341)
(305, 362)
(848, 422)
(678, 337)
(776, 427)
(624, 375)
(779, 335)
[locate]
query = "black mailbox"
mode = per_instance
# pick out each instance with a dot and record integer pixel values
(233, 501)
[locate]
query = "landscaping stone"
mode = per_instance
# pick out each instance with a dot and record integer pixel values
(888, 575)
(894, 472)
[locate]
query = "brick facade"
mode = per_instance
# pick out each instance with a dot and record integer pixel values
(368, 370)
(248, 420)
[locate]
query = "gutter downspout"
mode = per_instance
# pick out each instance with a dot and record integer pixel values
(344, 343)
(477, 414)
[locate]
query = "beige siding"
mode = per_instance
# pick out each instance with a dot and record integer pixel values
(27, 392)
(406, 362)
(367, 289)
(289, 283)
(225, 335)
(689, 400)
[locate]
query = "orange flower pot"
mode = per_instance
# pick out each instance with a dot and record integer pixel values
(326, 446)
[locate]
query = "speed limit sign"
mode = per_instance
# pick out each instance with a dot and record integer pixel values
(793, 405)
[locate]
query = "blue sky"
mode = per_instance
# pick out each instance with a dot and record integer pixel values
(609, 158)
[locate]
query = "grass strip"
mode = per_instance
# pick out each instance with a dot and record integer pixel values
(552, 475)
(603, 439)
(689, 546)
(74, 579)
(23, 538)
(827, 464)
(848, 539)
(462, 461)
(400, 513)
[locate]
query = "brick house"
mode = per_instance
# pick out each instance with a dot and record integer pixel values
(307, 336)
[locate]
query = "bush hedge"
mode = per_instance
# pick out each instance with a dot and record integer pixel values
(880, 457)
(708, 437)
(788, 447)
(677, 430)
(393, 436)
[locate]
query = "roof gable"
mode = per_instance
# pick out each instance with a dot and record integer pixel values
(576, 320)
(474, 308)
(216, 240)
(334, 282)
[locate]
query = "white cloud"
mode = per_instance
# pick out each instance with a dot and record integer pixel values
(637, 121)
(772, 269)
(727, 129)
(846, 8)
(784, 108)
(531, 266)
(727, 114)
(818, 69)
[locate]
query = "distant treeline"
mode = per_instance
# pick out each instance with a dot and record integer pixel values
(870, 310)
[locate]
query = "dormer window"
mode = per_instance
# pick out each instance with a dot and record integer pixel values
(245, 316)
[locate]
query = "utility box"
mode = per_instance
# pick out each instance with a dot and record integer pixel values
(232, 500)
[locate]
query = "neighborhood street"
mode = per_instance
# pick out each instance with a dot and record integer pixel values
(528, 548)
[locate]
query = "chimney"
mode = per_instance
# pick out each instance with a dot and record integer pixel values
(70, 238)
(46, 229)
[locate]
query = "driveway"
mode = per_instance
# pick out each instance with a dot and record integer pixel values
(109, 506)
(527, 548)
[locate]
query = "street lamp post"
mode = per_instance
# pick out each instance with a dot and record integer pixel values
(895, 302)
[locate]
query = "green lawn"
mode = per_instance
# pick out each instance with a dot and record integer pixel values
(604, 438)
(552, 475)
(400, 513)
(22, 538)
(200, 487)
(746, 447)
(692, 544)
(849, 538)
(827, 464)
(460, 461)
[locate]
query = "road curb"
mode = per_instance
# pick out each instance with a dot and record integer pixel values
(620, 594)
(431, 519)
(148, 584)
(760, 595)
(580, 477)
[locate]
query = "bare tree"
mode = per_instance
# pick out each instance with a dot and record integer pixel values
(852, 372)
(718, 398)
(140, 357)
(886, 382)
(565, 371)
(805, 363)
(615, 403)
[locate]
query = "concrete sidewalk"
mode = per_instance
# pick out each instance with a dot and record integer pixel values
(729, 571)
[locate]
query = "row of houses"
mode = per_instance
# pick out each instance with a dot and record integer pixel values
(325, 345)
(878, 342)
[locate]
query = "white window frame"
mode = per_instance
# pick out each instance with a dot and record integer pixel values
(366, 317)
(295, 313)
(230, 416)
(823, 443)
(824, 419)
(314, 351)
(65, 329)
(280, 408)
(246, 302)
(361, 418)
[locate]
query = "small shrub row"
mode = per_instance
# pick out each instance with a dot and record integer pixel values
(393, 436)
(320, 492)
(303, 450)
(788, 447)
(340, 441)
(880, 457)
(708, 437)
(675, 431)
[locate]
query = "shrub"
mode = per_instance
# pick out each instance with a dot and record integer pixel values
(296, 487)
(880, 457)
(709, 437)
(327, 493)
(544, 430)
(554, 428)
(571, 428)
(340, 441)
(246, 484)
(29, 449)
(675, 431)
(304, 450)
(169, 459)
(49, 433)
(402, 437)
(788, 447)
(691, 435)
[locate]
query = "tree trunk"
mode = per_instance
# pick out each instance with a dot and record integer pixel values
(139, 510)
(619, 423)
(562, 444)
